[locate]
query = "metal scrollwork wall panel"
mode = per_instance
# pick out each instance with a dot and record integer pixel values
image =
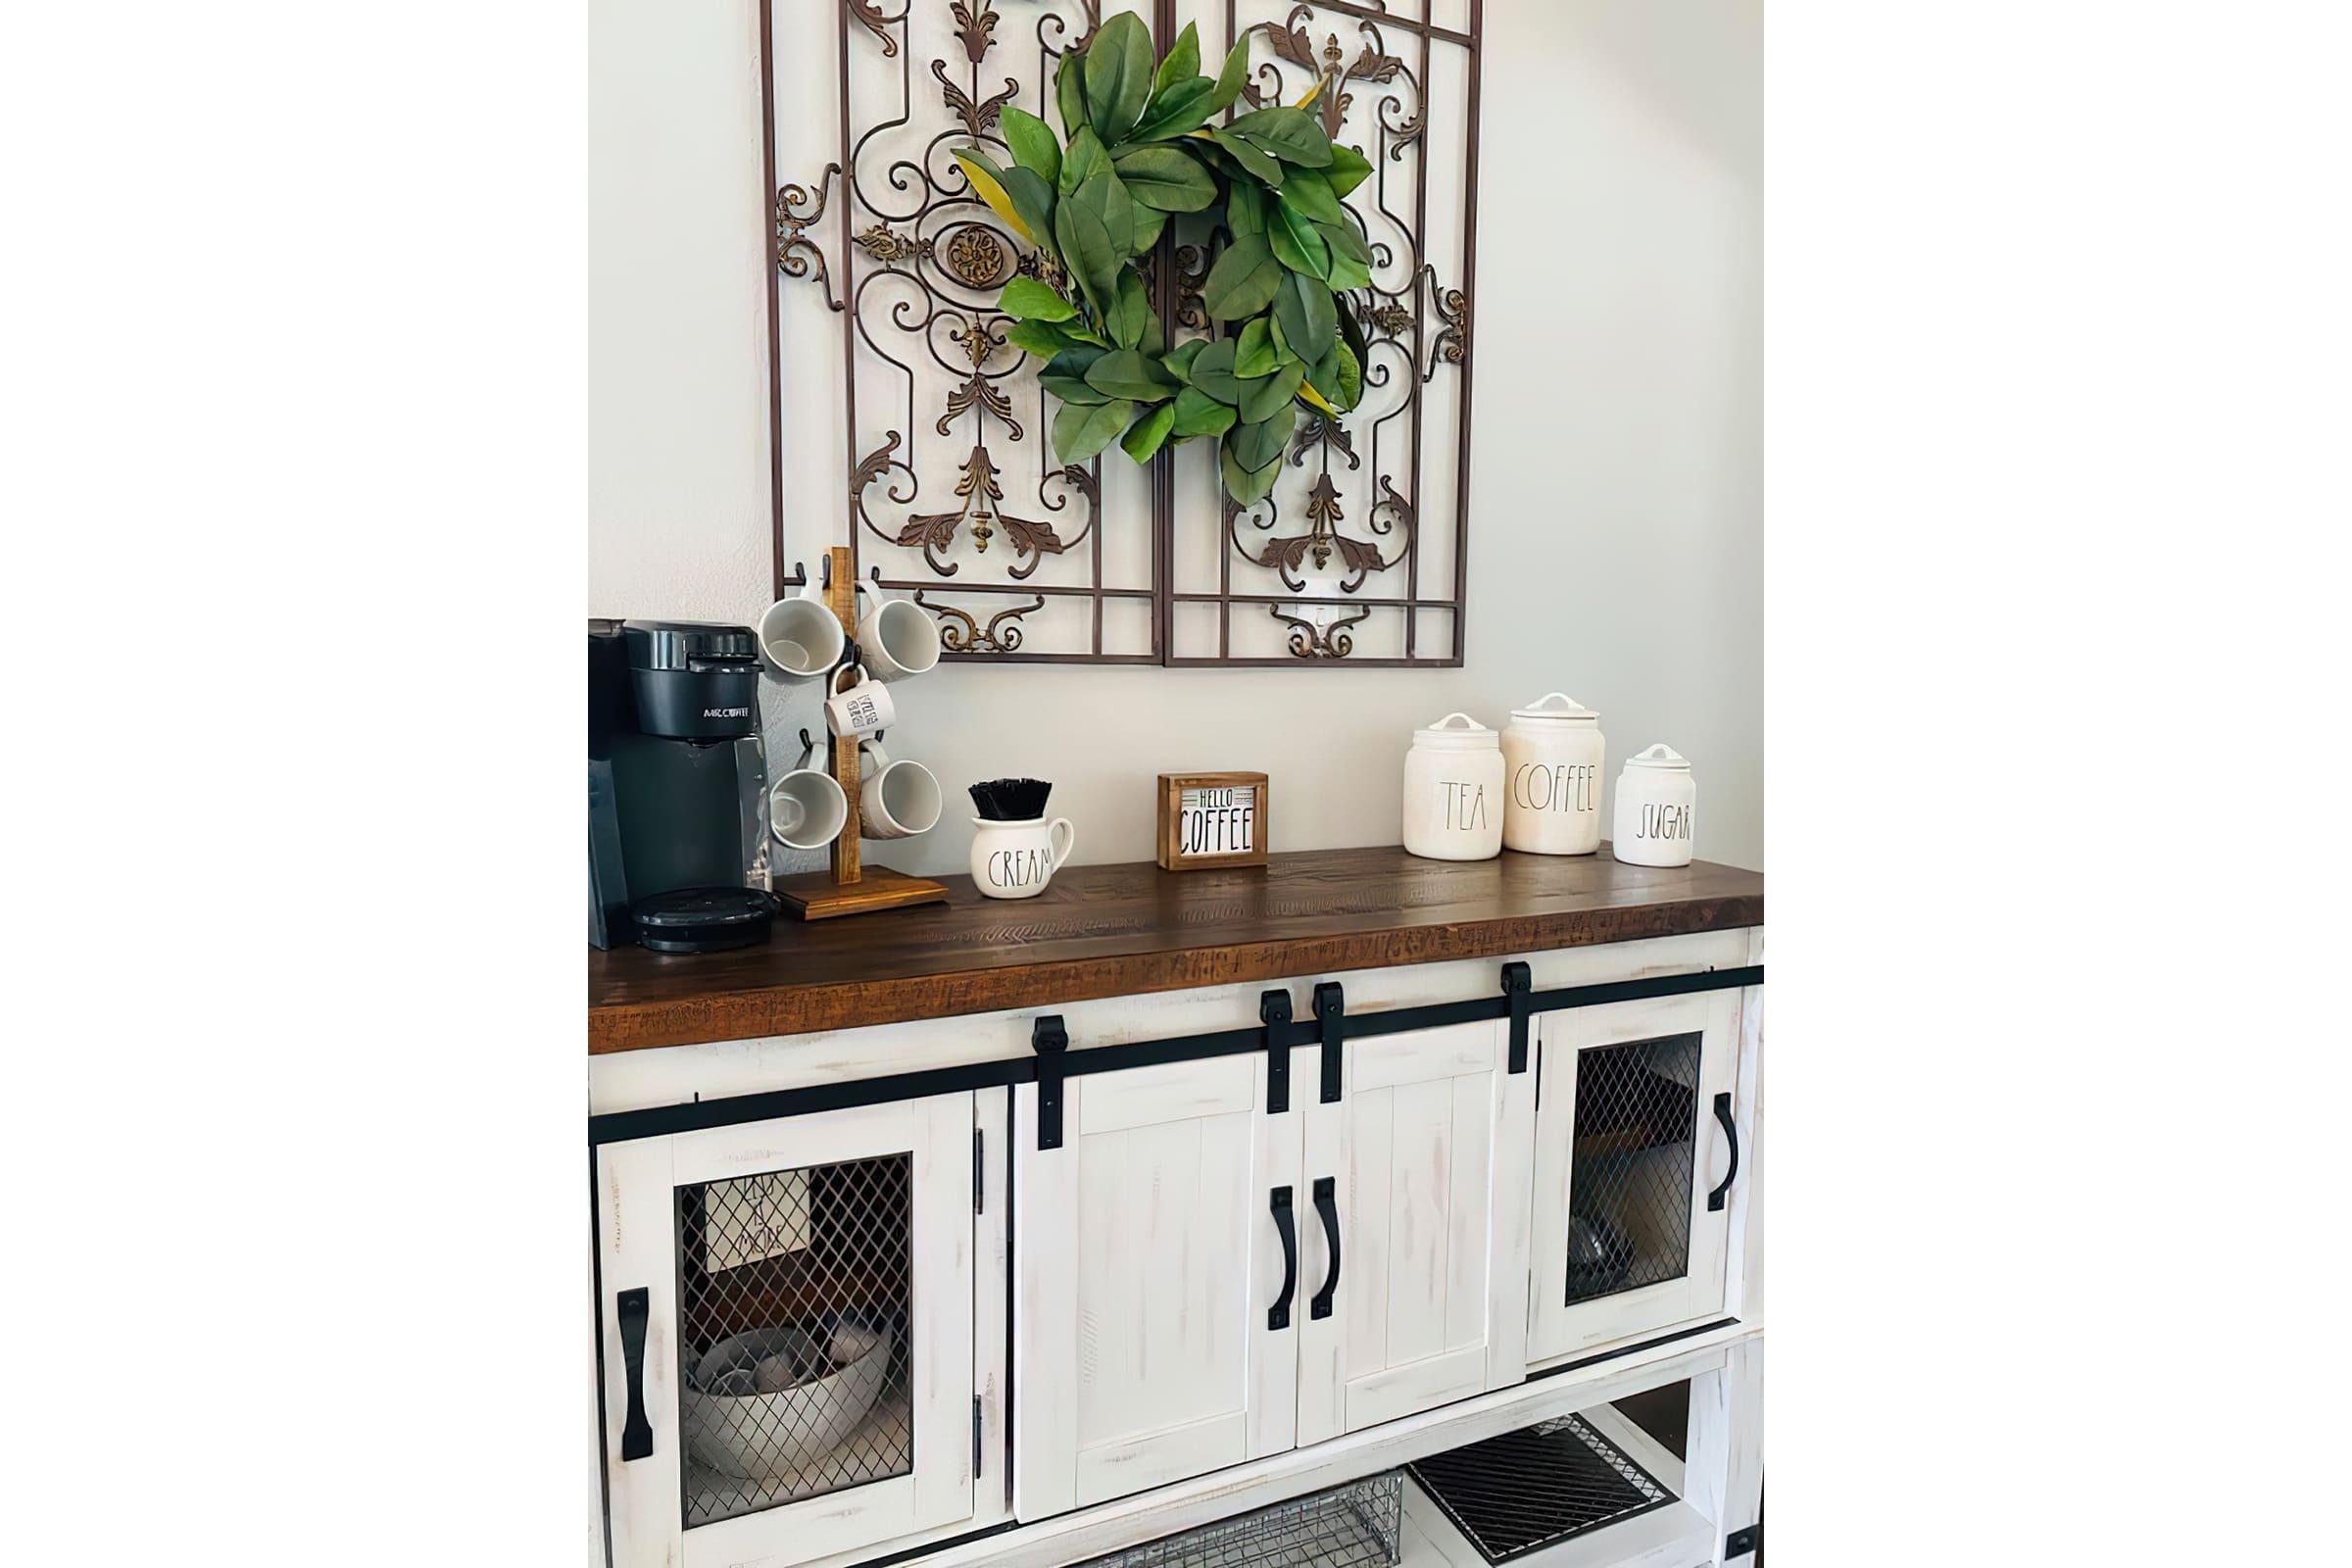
(902, 419)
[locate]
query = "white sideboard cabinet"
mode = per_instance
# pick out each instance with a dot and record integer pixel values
(1031, 1285)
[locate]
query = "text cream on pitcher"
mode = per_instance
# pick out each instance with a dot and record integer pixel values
(1553, 754)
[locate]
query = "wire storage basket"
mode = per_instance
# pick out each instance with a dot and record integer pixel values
(1354, 1526)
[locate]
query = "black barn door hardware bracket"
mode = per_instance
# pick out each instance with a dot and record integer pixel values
(1739, 1543)
(1048, 1039)
(1731, 1132)
(1274, 1011)
(631, 1308)
(1517, 993)
(1330, 1017)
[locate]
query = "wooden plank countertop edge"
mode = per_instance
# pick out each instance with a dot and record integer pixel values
(810, 1006)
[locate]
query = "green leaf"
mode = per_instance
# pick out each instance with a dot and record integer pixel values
(1147, 433)
(1310, 320)
(1254, 443)
(1352, 333)
(1257, 164)
(1028, 300)
(1245, 209)
(988, 180)
(1232, 79)
(1128, 375)
(1129, 312)
(1292, 134)
(1264, 397)
(1212, 372)
(1183, 61)
(1069, 92)
(1350, 377)
(1081, 431)
(1179, 362)
(1350, 258)
(1348, 169)
(1086, 250)
(1198, 413)
(1296, 241)
(1040, 338)
(1033, 199)
(1033, 144)
(1118, 75)
(1309, 194)
(1254, 354)
(1244, 485)
(1164, 179)
(1106, 196)
(1243, 280)
(1083, 157)
(1064, 376)
(1181, 108)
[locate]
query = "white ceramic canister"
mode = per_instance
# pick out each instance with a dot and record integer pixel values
(1553, 753)
(1016, 859)
(1454, 791)
(1656, 809)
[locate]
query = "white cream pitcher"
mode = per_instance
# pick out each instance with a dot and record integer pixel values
(1656, 805)
(1551, 777)
(1016, 859)
(1453, 792)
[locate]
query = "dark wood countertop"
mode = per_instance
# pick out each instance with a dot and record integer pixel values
(1120, 930)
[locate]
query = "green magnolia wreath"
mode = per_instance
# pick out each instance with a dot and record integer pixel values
(1139, 147)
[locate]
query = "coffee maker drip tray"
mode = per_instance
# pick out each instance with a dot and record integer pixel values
(705, 919)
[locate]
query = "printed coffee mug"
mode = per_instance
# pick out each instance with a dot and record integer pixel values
(1016, 859)
(860, 710)
(806, 809)
(898, 800)
(895, 637)
(800, 637)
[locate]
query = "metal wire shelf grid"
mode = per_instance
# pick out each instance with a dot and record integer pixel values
(1354, 1526)
(1535, 1488)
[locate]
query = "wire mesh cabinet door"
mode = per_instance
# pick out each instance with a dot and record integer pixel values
(1151, 1338)
(1633, 1160)
(1419, 1174)
(788, 1334)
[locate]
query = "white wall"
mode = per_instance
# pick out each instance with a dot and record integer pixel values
(1616, 535)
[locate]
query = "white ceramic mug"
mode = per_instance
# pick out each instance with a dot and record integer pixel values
(800, 636)
(863, 709)
(896, 639)
(807, 808)
(1016, 859)
(898, 800)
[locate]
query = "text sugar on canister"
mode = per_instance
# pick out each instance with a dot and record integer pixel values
(1552, 756)
(1657, 800)
(1454, 791)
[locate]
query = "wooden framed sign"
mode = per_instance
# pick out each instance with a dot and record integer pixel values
(1211, 819)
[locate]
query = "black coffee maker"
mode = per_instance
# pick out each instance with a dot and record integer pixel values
(677, 786)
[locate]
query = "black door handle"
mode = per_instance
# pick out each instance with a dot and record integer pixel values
(1723, 1114)
(1327, 1204)
(636, 1433)
(1279, 1317)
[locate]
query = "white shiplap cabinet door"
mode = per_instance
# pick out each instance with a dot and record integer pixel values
(1426, 1155)
(1628, 1149)
(653, 1498)
(1148, 1258)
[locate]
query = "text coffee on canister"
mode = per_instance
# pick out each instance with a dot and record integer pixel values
(1553, 754)
(1657, 804)
(1453, 792)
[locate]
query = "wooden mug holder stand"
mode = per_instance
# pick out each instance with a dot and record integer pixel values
(849, 888)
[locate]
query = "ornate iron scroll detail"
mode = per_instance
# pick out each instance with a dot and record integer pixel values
(797, 254)
(1452, 343)
(1308, 640)
(960, 632)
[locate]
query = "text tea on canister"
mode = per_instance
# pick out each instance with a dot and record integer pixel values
(1552, 756)
(1454, 791)
(1656, 805)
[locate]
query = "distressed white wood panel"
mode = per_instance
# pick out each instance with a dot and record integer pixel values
(1555, 1329)
(1723, 1467)
(1148, 1258)
(992, 1305)
(637, 1183)
(1744, 1284)
(1429, 1145)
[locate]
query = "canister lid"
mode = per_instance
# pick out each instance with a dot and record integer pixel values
(1659, 756)
(1556, 708)
(1456, 732)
